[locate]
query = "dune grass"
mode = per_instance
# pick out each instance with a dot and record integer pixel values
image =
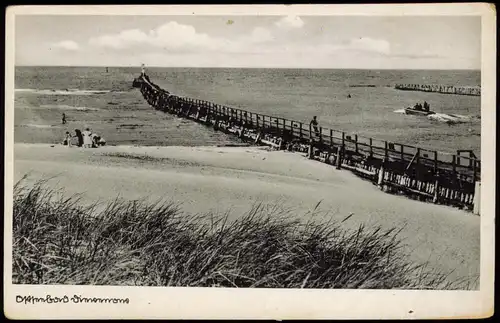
(58, 240)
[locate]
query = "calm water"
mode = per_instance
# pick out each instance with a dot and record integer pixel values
(288, 93)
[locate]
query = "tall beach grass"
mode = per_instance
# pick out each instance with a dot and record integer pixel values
(59, 240)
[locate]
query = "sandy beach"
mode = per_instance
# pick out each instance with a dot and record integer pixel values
(221, 179)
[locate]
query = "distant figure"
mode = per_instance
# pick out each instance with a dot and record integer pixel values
(67, 139)
(314, 125)
(143, 70)
(348, 96)
(79, 136)
(426, 106)
(95, 139)
(101, 142)
(64, 118)
(87, 138)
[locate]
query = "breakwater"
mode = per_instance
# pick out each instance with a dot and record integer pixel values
(427, 175)
(445, 89)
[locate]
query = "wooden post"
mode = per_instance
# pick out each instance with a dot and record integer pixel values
(436, 189)
(474, 171)
(454, 165)
(311, 149)
(356, 142)
(402, 153)
(331, 138)
(386, 152)
(381, 173)
(343, 140)
(435, 162)
(371, 147)
(300, 130)
(339, 157)
(321, 135)
(418, 157)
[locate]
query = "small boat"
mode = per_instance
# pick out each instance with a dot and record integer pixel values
(418, 112)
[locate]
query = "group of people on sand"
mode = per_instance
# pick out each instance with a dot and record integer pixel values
(85, 139)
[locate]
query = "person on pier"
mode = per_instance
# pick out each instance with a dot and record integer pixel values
(314, 125)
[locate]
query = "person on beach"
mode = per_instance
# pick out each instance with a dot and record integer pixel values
(79, 136)
(101, 142)
(87, 138)
(67, 139)
(64, 118)
(314, 125)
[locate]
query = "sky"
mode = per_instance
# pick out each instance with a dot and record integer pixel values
(364, 42)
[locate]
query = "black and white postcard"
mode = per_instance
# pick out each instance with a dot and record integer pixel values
(280, 162)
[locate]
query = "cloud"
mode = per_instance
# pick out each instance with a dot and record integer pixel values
(179, 38)
(278, 40)
(290, 22)
(67, 45)
(170, 36)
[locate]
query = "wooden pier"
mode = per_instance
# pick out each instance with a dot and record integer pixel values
(445, 89)
(427, 175)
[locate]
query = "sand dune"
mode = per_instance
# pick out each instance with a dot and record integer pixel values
(222, 178)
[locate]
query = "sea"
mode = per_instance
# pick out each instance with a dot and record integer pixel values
(362, 102)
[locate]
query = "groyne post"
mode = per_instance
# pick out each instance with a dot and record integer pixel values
(371, 147)
(356, 142)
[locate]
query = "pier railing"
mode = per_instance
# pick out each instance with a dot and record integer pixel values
(452, 179)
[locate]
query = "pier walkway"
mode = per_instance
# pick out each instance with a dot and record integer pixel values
(427, 175)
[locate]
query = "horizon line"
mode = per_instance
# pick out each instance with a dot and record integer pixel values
(256, 67)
